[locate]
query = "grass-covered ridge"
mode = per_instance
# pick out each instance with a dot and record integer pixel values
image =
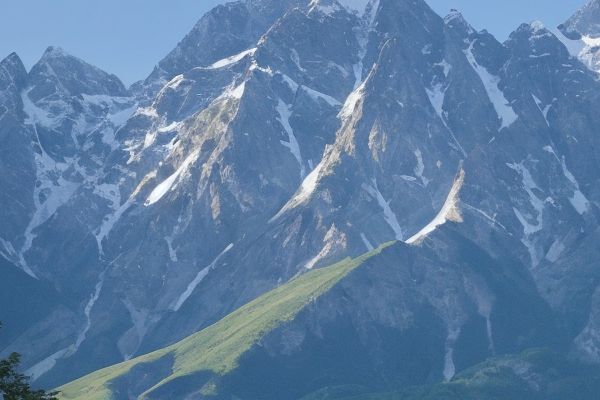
(219, 347)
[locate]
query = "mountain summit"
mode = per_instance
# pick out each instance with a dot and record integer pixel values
(584, 22)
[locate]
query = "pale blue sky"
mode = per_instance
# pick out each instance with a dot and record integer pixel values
(128, 37)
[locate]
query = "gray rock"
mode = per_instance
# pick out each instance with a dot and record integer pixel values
(278, 137)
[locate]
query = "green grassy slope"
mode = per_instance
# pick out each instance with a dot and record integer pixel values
(218, 348)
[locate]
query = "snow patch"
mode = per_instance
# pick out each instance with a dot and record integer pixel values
(538, 205)
(371, 10)
(555, 251)
(172, 251)
(120, 117)
(315, 95)
(168, 184)
(491, 83)
(285, 112)
(449, 367)
(309, 184)
(8, 251)
(537, 25)
(449, 212)
(199, 278)
(366, 241)
(388, 213)
(38, 116)
(46, 364)
(485, 215)
(446, 67)
(349, 106)
(529, 228)
(109, 222)
(437, 95)
(578, 200)
(50, 194)
(88, 320)
(290, 82)
(232, 60)
(420, 168)
(544, 110)
(304, 193)
(237, 92)
(149, 112)
(575, 47)
(584, 49)
(233, 92)
(328, 10)
(296, 59)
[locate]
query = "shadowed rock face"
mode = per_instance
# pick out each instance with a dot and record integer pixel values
(583, 22)
(279, 137)
(581, 35)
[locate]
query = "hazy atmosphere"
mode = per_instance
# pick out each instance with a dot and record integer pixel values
(300, 200)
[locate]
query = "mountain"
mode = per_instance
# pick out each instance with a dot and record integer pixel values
(227, 29)
(581, 34)
(57, 132)
(295, 339)
(279, 138)
(584, 21)
(228, 342)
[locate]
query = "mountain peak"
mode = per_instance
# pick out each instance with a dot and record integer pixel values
(12, 58)
(74, 75)
(533, 29)
(454, 14)
(535, 40)
(13, 63)
(225, 30)
(12, 68)
(455, 19)
(537, 25)
(585, 22)
(54, 51)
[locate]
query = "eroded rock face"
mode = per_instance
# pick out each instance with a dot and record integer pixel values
(582, 35)
(269, 143)
(584, 21)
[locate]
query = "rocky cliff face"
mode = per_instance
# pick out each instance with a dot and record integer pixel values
(272, 143)
(581, 34)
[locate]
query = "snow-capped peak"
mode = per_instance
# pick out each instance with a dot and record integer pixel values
(583, 22)
(537, 26)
